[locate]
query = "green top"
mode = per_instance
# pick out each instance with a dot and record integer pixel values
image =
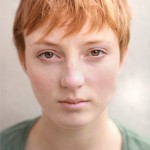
(15, 138)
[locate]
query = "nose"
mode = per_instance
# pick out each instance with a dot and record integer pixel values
(72, 77)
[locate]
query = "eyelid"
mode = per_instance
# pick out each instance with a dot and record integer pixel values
(42, 53)
(99, 49)
(50, 51)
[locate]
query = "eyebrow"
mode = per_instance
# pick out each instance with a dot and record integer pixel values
(45, 42)
(86, 43)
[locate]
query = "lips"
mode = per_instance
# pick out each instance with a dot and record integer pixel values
(74, 104)
(72, 101)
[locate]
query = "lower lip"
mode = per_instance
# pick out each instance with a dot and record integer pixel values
(73, 106)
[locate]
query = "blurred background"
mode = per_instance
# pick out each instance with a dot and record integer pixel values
(131, 103)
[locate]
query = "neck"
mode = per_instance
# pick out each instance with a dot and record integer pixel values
(96, 135)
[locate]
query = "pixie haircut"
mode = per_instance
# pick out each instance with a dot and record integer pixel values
(71, 14)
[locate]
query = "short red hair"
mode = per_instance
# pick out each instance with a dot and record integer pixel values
(72, 14)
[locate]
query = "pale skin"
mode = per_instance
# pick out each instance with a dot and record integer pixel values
(73, 79)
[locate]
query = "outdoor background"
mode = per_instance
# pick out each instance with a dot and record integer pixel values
(131, 104)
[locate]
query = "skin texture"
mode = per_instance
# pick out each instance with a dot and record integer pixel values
(73, 79)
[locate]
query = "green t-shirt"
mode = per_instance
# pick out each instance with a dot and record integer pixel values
(15, 138)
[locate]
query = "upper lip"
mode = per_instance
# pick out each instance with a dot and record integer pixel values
(72, 100)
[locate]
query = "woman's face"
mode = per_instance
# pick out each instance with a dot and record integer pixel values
(73, 78)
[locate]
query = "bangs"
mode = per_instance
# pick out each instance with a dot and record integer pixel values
(71, 15)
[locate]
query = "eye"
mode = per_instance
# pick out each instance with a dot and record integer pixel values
(97, 52)
(47, 54)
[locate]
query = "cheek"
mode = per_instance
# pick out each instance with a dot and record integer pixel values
(104, 81)
(44, 83)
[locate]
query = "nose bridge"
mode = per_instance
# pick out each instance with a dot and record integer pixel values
(72, 76)
(73, 64)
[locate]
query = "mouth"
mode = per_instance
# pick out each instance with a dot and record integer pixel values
(73, 101)
(73, 104)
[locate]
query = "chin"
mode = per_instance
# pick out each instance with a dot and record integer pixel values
(75, 121)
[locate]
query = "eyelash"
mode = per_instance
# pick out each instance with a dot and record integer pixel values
(98, 51)
(49, 54)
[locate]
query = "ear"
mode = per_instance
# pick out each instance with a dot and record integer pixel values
(123, 56)
(21, 56)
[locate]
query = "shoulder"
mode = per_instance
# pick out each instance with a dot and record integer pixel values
(15, 137)
(132, 140)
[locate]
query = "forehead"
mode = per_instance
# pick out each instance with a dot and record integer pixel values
(105, 34)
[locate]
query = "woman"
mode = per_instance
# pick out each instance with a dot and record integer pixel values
(72, 52)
